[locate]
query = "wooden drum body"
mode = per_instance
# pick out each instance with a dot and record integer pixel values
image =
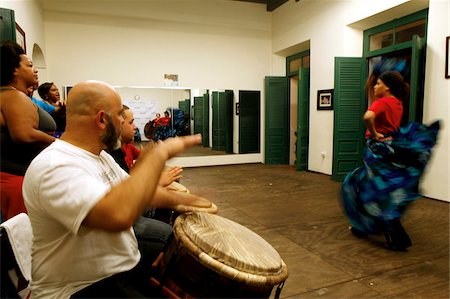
(211, 256)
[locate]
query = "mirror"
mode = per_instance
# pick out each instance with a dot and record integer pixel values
(229, 120)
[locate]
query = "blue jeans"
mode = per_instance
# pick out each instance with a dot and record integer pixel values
(153, 236)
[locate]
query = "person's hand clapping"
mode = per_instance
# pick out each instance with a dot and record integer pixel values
(169, 175)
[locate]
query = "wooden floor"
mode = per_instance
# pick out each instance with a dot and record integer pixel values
(299, 214)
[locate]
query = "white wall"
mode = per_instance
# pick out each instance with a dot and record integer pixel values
(219, 46)
(437, 99)
(335, 28)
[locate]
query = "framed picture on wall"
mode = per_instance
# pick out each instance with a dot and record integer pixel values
(325, 99)
(447, 57)
(20, 37)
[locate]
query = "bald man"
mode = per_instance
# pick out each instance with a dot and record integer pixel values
(82, 205)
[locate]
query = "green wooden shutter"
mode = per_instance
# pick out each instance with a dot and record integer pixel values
(303, 120)
(228, 120)
(277, 120)
(249, 121)
(205, 134)
(188, 107)
(415, 112)
(349, 106)
(198, 115)
(7, 24)
(217, 127)
(182, 106)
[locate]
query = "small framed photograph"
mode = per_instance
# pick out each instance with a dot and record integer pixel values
(20, 37)
(447, 57)
(325, 99)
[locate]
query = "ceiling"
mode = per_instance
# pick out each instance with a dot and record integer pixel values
(270, 4)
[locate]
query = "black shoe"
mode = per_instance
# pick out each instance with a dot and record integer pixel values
(396, 236)
(357, 233)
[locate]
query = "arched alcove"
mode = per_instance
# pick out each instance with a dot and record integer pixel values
(38, 57)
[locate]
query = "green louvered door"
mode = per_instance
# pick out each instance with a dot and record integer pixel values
(205, 134)
(349, 106)
(226, 102)
(303, 120)
(415, 108)
(249, 121)
(198, 115)
(7, 24)
(217, 128)
(277, 120)
(222, 121)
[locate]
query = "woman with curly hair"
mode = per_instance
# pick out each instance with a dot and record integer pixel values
(23, 126)
(375, 195)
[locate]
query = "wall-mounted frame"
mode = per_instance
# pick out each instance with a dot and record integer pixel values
(20, 37)
(447, 57)
(325, 99)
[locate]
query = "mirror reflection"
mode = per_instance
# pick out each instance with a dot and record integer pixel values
(228, 120)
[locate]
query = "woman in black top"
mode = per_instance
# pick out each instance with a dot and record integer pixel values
(23, 126)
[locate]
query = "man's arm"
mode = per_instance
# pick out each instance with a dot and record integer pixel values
(123, 204)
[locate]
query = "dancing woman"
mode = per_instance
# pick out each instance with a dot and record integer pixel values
(374, 196)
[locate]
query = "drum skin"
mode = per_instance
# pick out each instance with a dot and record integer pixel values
(211, 256)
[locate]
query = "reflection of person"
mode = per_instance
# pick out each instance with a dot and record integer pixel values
(50, 94)
(157, 120)
(374, 196)
(127, 154)
(22, 126)
(165, 121)
(83, 243)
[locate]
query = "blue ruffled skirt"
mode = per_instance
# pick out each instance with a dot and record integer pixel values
(378, 192)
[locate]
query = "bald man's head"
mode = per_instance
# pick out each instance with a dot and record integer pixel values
(87, 98)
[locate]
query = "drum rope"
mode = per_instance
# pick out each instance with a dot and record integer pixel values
(278, 291)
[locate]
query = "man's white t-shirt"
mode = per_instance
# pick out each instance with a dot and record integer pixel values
(61, 186)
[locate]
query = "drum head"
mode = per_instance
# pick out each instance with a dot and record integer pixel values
(230, 248)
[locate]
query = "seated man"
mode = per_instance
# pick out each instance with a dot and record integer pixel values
(125, 154)
(152, 235)
(82, 205)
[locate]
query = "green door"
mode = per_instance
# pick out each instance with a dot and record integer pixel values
(222, 121)
(349, 106)
(217, 125)
(303, 120)
(7, 24)
(182, 106)
(277, 120)
(198, 115)
(226, 102)
(415, 112)
(249, 121)
(205, 134)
